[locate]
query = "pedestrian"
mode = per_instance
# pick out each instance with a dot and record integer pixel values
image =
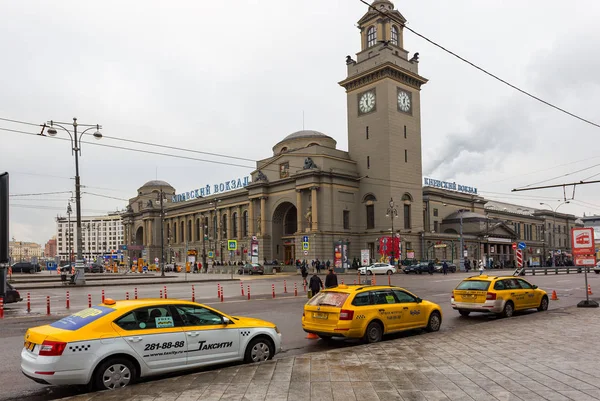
(430, 267)
(318, 266)
(331, 279)
(481, 268)
(328, 264)
(315, 284)
(304, 273)
(445, 268)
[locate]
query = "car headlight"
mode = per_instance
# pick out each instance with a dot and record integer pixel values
(277, 330)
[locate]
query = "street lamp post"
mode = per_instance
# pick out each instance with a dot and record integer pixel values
(217, 222)
(462, 245)
(69, 211)
(392, 212)
(76, 149)
(553, 232)
(162, 234)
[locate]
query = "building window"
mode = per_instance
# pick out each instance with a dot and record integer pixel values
(346, 219)
(234, 224)
(394, 35)
(368, 161)
(370, 217)
(435, 212)
(198, 229)
(189, 231)
(224, 226)
(407, 224)
(405, 132)
(367, 132)
(245, 224)
(436, 227)
(371, 36)
(174, 233)
(405, 156)
(215, 228)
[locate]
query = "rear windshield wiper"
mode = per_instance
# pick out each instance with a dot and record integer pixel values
(326, 304)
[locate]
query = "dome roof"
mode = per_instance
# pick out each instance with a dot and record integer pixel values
(156, 183)
(305, 134)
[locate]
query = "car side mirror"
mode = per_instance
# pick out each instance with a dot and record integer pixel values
(535, 287)
(226, 320)
(419, 300)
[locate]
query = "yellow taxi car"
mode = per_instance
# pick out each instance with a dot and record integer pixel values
(113, 344)
(501, 295)
(368, 312)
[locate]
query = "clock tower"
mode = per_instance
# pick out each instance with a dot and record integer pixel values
(384, 121)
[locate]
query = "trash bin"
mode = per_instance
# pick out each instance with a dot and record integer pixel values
(309, 294)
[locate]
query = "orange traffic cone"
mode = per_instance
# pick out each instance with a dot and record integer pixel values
(590, 290)
(554, 297)
(312, 336)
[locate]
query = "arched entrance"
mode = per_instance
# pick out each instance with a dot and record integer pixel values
(139, 240)
(285, 225)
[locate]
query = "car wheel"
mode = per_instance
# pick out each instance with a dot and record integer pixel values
(259, 350)
(464, 312)
(508, 310)
(250, 272)
(114, 373)
(405, 272)
(369, 273)
(420, 272)
(597, 272)
(9, 299)
(435, 321)
(389, 272)
(543, 304)
(31, 271)
(239, 272)
(374, 333)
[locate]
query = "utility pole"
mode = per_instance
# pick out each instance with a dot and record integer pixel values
(162, 235)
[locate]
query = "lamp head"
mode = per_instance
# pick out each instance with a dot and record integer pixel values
(52, 131)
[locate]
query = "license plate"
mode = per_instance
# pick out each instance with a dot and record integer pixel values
(320, 315)
(469, 296)
(29, 346)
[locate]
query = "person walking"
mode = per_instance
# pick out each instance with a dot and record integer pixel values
(481, 268)
(430, 267)
(318, 266)
(304, 273)
(315, 284)
(445, 268)
(331, 279)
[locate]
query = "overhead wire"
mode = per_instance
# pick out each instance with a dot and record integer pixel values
(481, 69)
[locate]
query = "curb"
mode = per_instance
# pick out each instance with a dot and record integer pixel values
(21, 288)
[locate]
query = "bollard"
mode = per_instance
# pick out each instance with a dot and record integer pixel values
(273, 288)
(284, 287)
(248, 292)
(165, 287)
(47, 305)
(1, 307)
(193, 294)
(68, 300)
(102, 296)
(127, 295)
(390, 280)
(218, 291)
(354, 282)
(221, 294)
(342, 281)
(295, 289)
(135, 293)
(305, 286)
(28, 303)
(161, 297)
(242, 287)
(89, 300)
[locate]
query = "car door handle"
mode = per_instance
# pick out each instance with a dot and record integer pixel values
(406, 307)
(512, 293)
(135, 339)
(193, 333)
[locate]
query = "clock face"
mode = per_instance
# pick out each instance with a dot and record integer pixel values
(403, 101)
(366, 102)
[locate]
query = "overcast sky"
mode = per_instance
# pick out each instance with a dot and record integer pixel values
(234, 77)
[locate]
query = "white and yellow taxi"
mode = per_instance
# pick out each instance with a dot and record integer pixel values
(111, 345)
(500, 295)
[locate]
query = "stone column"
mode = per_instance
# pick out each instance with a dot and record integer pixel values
(229, 224)
(145, 230)
(315, 212)
(263, 215)
(219, 225)
(299, 210)
(239, 223)
(251, 217)
(194, 237)
(149, 237)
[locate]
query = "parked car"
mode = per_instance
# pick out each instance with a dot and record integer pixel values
(417, 269)
(597, 268)
(378, 268)
(94, 268)
(26, 267)
(438, 268)
(11, 295)
(251, 268)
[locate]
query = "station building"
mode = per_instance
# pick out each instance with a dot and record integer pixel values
(312, 200)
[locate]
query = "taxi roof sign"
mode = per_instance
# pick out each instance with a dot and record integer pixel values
(109, 301)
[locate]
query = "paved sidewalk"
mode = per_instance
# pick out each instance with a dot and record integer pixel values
(538, 356)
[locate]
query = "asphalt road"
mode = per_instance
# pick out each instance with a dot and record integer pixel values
(285, 311)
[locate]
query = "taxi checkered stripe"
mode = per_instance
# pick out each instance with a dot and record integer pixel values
(79, 348)
(245, 333)
(361, 317)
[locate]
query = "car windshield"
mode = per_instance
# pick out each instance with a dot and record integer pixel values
(477, 285)
(329, 298)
